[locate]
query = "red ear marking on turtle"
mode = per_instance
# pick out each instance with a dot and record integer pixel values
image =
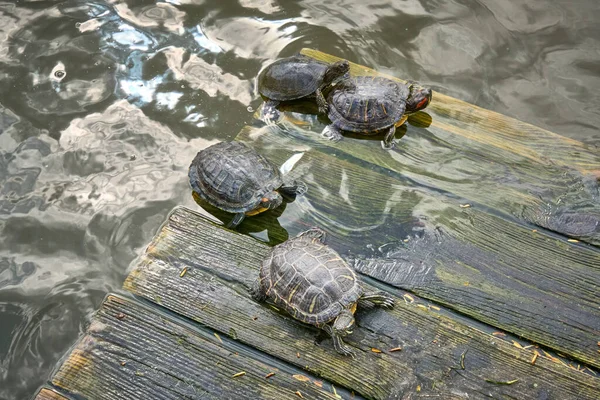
(422, 102)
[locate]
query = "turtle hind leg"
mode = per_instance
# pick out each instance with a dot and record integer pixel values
(332, 133)
(388, 140)
(256, 293)
(239, 217)
(376, 299)
(338, 342)
(269, 112)
(321, 102)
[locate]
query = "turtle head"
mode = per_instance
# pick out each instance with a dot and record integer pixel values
(344, 323)
(336, 70)
(271, 200)
(419, 98)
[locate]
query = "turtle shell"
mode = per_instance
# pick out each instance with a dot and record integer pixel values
(309, 279)
(291, 78)
(232, 176)
(367, 104)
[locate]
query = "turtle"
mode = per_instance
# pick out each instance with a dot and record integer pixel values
(315, 285)
(371, 104)
(235, 178)
(295, 78)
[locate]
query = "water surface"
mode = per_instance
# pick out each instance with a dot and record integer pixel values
(104, 103)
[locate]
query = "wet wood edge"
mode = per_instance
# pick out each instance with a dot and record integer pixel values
(493, 129)
(465, 258)
(49, 394)
(544, 197)
(506, 165)
(132, 352)
(202, 271)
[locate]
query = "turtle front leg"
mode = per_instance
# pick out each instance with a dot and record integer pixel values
(321, 102)
(388, 140)
(376, 299)
(270, 113)
(293, 189)
(239, 217)
(332, 133)
(338, 342)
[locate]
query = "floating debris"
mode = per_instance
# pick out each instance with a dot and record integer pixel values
(374, 350)
(299, 394)
(395, 349)
(464, 205)
(297, 354)
(573, 240)
(218, 337)
(502, 382)
(462, 359)
(423, 307)
(337, 396)
(517, 345)
(535, 356)
(270, 374)
(183, 271)
(408, 297)
(239, 374)
(301, 378)
(499, 334)
(434, 307)
(120, 316)
(318, 383)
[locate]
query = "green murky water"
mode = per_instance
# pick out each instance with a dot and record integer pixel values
(103, 105)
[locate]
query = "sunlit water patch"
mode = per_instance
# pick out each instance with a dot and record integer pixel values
(103, 104)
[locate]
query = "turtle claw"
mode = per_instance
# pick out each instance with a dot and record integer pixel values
(342, 348)
(345, 350)
(388, 146)
(332, 134)
(379, 299)
(270, 114)
(387, 303)
(301, 188)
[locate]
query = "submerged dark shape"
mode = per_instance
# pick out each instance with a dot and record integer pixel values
(371, 104)
(235, 178)
(295, 78)
(316, 286)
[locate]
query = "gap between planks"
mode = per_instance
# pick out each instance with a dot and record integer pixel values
(220, 266)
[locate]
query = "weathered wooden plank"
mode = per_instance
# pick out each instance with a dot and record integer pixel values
(49, 394)
(132, 352)
(558, 280)
(489, 159)
(493, 129)
(219, 267)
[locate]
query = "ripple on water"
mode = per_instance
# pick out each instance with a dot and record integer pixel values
(104, 104)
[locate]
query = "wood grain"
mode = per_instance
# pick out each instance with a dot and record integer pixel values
(221, 265)
(49, 394)
(465, 258)
(493, 129)
(486, 158)
(132, 352)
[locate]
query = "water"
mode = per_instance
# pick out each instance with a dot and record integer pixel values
(103, 104)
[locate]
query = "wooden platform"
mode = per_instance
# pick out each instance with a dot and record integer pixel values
(524, 282)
